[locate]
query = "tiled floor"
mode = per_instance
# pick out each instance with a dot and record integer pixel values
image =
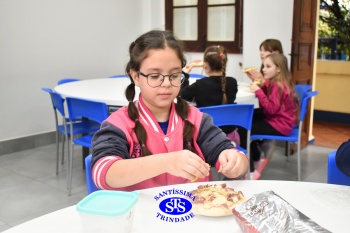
(330, 135)
(30, 188)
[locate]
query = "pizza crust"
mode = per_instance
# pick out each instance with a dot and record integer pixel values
(215, 200)
(245, 70)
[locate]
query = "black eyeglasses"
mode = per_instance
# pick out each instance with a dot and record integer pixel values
(156, 79)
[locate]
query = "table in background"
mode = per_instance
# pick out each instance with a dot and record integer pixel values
(112, 91)
(328, 205)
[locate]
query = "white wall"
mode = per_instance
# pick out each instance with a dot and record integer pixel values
(262, 20)
(42, 41)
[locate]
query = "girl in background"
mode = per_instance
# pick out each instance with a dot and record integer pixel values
(156, 141)
(267, 47)
(279, 105)
(223, 89)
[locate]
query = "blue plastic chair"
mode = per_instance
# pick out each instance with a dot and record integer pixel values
(91, 187)
(335, 176)
(301, 89)
(79, 127)
(196, 75)
(233, 114)
(85, 109)
(295, 136)
(67, 80)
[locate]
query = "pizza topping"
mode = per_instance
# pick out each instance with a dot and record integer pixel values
(215, 200)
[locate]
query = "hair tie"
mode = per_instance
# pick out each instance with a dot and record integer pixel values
(188, 143)
(136, 119)
(221, 55)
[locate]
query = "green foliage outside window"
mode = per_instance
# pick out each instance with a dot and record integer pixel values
(334, 29)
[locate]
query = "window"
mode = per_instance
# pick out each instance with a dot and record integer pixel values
(201, 23)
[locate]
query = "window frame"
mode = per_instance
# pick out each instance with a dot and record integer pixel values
(201, 43)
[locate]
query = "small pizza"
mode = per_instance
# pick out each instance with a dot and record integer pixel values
(197, 63)
(245, 70)
(215, 200)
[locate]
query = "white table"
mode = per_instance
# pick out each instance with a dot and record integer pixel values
(111, 90)
(327, 205)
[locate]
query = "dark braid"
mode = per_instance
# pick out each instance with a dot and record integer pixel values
(138, 51)
(182, 108)
(223, 56)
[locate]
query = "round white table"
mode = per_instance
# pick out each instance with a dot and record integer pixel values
(111, 91)
(327, 205)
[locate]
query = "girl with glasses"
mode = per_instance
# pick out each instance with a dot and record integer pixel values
(159, 139)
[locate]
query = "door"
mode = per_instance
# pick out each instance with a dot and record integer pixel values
(303, 45)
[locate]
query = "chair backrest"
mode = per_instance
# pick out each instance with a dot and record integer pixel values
(91, 187)
(93, 110)
(304, 103)
(231, 114)
(196, 75)
(335, 176)
(301, 89)
(57, 101)
(67, 80)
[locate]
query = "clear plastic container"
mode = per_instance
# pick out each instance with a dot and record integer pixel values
(107, 211)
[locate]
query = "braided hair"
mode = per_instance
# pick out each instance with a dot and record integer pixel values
(138, 52)
(216, 57)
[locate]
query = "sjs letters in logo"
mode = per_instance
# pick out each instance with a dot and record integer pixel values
(175, 205)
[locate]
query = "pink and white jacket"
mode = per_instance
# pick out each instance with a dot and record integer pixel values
(116, 140)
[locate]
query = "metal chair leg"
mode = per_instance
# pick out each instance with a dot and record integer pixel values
(57, 151)
(70, 169)
(299, 165)
(63, 142)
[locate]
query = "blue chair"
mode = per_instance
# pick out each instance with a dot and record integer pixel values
(79, 127)
(196, 75)
(91, 187)
(67, 80)
(85, 109)
(335, 176)
(295, 136)
(233, 114)
(301, 89)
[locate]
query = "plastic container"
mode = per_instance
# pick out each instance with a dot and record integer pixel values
(107, 211)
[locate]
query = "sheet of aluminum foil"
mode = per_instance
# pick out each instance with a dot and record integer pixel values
(268, 212)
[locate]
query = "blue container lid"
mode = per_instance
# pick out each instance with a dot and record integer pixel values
(107, 203)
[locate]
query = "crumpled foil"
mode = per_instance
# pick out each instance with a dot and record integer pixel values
(268, 212)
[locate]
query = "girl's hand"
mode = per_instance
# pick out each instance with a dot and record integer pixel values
(195, 63)
(254, 87)
(187, 164)
(234, 164)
